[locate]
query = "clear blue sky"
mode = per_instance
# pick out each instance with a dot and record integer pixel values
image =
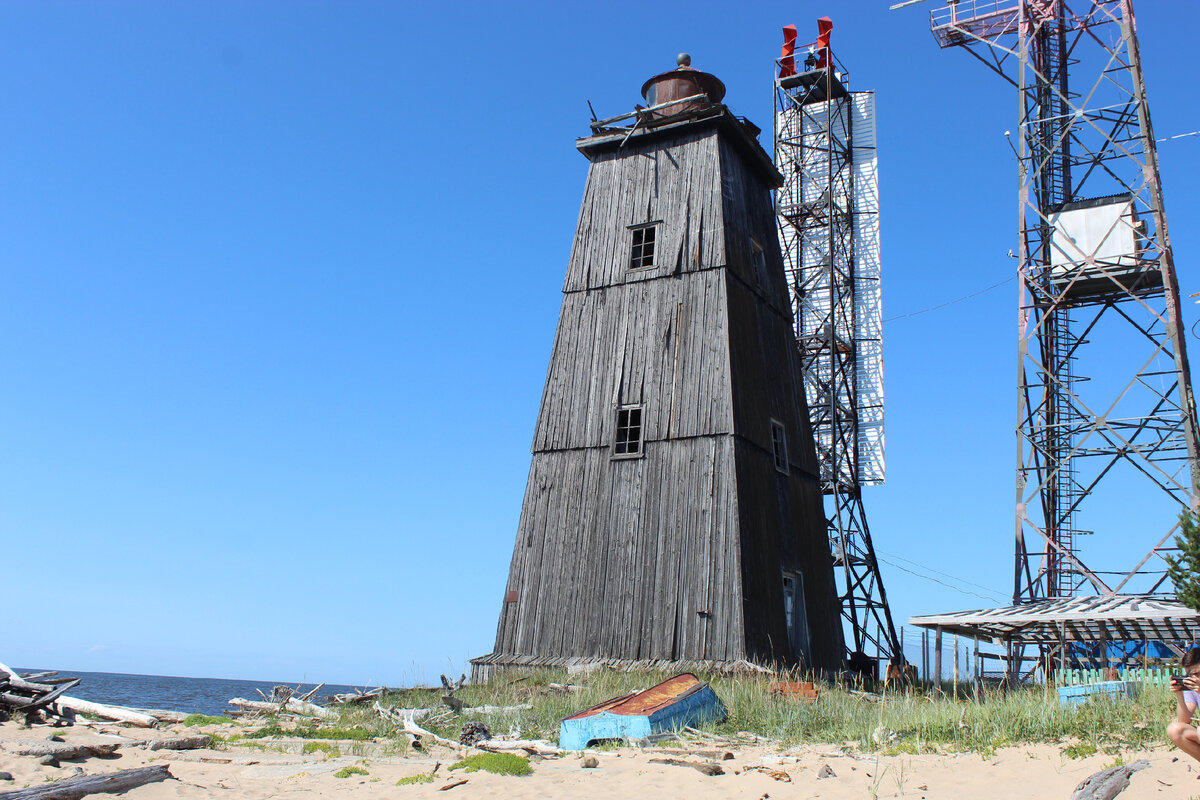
(279, 282)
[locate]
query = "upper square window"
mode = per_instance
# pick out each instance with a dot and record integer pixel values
(628, 441)
(779, 446)
(642, 254)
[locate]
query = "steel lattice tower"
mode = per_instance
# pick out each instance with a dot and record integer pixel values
(1095, 266)
(828, 229)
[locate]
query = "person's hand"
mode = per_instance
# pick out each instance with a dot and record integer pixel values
(1189, 683)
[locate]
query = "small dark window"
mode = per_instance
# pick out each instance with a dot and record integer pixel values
(779, 446)
(642, 255)
(628, 441)
(759, 259)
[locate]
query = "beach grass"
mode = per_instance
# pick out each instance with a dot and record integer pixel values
(496, 763)
(913, 721)
(193, 720)
(843, 716)
(328, 749)
(413, 780)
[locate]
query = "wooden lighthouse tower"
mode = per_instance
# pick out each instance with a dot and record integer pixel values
(673, 511)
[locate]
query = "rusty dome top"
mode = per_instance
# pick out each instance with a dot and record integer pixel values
(681, 82)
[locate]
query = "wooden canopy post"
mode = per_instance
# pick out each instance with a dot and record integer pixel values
(937, 660)
(955, 695)
(978, 670)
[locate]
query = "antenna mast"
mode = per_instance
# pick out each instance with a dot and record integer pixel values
(1096, 267)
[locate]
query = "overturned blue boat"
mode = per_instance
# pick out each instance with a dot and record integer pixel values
(672, 705)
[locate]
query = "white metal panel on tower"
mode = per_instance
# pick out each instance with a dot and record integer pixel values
(868, 300)
(845, 121)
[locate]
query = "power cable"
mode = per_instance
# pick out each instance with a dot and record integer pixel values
(987, 589)
(935, 580)
(952, 302)
(1179, 136)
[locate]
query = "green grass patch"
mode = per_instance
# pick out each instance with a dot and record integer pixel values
(251, 745)
(496, 763)
(272, 728)
(412, 780)
(192, 720)
(330, 750)
(346, 772)
(1080, 750)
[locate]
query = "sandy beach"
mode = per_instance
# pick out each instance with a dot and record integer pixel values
(755, 770)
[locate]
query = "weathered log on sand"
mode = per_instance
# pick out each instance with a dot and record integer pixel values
(704, 767)
(17, 682)
(295, 706)
(162, 715)
(38, 696)
(412, 728)
(1108, 783)
(64, 751)
(74, 788)
(539, 747)
(197, 742)
(117, 713)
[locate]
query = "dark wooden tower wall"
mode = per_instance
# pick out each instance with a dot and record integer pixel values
(782, 517)
(676, 554)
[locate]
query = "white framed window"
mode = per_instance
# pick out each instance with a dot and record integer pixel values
(779, 446)
(627, 443)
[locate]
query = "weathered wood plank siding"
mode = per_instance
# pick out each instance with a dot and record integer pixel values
(661, 343)
(676, 181)
(675, 555)
(627, 563)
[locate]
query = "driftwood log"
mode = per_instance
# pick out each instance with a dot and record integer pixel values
(163, 715)
(74, 788)
(539, 747)
(1108, 783)
(700, 766)
(292, 705)
(117, 713)
(197, 742)
(24, 695)
(360, 696)
(62, 751)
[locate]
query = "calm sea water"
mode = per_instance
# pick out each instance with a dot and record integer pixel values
(193, 695)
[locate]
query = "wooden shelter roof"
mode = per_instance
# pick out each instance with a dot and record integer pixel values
(1092, 618)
